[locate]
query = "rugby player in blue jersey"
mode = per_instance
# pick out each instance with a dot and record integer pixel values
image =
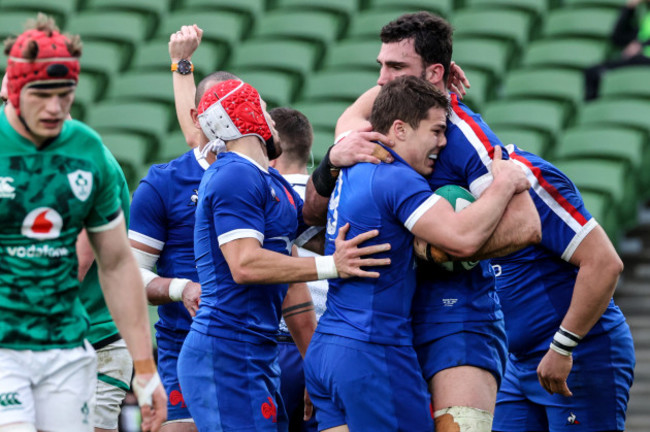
(458, 325)
(361, 369)
(247, 219)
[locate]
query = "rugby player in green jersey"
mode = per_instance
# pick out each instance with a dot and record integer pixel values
(55, 179)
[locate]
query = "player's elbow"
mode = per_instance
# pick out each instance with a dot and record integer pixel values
(465, 246)
(242, 275)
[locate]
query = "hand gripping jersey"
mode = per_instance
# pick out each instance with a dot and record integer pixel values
(390, 198)
(47, 196)
(162, 216)
(239, 199)
(538, 281)
(444, 297)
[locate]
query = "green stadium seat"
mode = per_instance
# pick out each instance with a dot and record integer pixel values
(567, 52)
(481, 91)
(126, 28)
(322, 141)
(631, 113)
(490, 55)
(535, 7)
(222, 28)
(103, 59)
(149, 119)
(609, 143)
(440, 7)
(600, 207)
(608, 177)
(171, 147)
(545, 83)
(545, 116)
(252, 9)
(130, 151)
(154, 56)
(320, 28)
(276, 88)
(613, 4)
(59, 10)
(595, 23)
(142, 86)
(526, 139)
(344, 8)
(89, 90)
(368, 24)
(322, 115)
(12, 23)
(338, 85)
(290, 56)
(153, 10)
(353, 54)
(496, 23)
(629, 81)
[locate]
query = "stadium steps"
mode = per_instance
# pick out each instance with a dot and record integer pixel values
(633, 299)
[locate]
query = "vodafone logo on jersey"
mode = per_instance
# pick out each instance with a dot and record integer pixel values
(42, 223)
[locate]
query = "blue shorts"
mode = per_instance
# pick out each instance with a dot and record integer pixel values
(292, 387)
(168, 349)
(481, 344)
(369, 387)
(600, 380)
(231, 385)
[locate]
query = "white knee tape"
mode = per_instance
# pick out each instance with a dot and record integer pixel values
(465, 419)
(18, 427)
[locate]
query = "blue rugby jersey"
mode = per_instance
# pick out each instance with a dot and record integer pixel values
(535, 284)
(162, 216)
(463, 296)
(239, 199)
(390, 198)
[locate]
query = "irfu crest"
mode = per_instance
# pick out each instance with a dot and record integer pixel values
(81, 183)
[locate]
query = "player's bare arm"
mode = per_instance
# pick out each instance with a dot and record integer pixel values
(463, 234)
(599, 269)
(85, 254)
(119, 278)
(161, 290)
(182, 46)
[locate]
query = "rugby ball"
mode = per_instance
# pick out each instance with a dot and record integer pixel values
(459, 198)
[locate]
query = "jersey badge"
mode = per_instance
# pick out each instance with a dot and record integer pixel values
(274, 195)
(269, 410)
(6, 189)
(571, 420)
(42, 223)
(194, 199)
(81, 183)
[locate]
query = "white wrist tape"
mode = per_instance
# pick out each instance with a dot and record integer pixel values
(326, 267)
(176, 288)
(144, 393)
(564, 342)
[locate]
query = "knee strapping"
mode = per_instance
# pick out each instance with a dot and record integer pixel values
(18, 427)
(463, 419)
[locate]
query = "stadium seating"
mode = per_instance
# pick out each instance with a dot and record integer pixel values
(344, 8)
(572, 53)
(131, 152)
(105, 60)
(60, 9)
(89, 89)
(490, 55)
(510, 25)
(276, 88)
(544, 116)
(338, 85)
(152, 10)
(441, 7)
(367, 24)
(250, 9)
(322, 141)
(632, 113)
(353, 54)
(171, 147)
(482, 88)
(599, 205)
(546, 83)
(629, 81)
(12, 22)
(526, 139)
(613, 4)
(596, 23)
(322, 115)
(155, 86)
(536, 7)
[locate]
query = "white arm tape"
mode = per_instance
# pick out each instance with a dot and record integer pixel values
(147, 276)
(326, 267)
(145, 393)
(144, 259)
(341, 136)
(176, 288)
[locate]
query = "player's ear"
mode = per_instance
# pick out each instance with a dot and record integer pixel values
(399, 129)
(195, 118)
(434, 73)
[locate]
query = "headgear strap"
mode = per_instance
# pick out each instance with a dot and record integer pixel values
(53, 65)
(233, 109)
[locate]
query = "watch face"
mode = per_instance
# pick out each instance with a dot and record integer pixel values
(184, 67)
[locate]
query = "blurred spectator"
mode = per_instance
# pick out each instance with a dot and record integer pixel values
(632, 34)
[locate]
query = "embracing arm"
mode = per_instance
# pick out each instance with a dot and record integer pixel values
(85, 254)
(599, 268)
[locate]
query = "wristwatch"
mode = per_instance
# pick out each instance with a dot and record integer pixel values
(183, 67)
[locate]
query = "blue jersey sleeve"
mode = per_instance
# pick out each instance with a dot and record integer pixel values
(148, 224)
(236, 194)
(407, 198)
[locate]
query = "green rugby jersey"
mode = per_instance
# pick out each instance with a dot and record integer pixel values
(47, 196)
(101, 322)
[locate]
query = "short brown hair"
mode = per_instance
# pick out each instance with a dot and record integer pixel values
(407, 98)
(431, 34)
(209, 81)
(296, 134)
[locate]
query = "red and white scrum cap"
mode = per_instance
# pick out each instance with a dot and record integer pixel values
(233, 109)
(53, 65)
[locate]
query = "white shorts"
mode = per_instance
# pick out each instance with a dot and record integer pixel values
(50, 389)
(114, 371)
